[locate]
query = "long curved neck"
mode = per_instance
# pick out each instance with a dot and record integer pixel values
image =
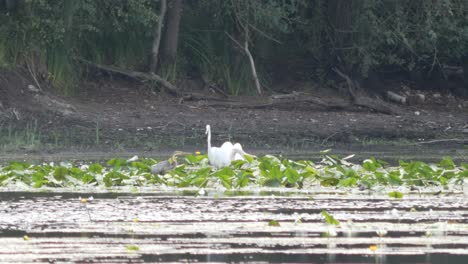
(209, 138)
(235, 151)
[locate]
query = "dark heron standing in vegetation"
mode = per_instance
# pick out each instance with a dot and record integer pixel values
(167, 165)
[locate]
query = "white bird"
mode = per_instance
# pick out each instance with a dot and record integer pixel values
(224, 155)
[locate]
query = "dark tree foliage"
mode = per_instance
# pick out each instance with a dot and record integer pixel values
(293, 39)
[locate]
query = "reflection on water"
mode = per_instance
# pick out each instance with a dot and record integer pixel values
(170, 227)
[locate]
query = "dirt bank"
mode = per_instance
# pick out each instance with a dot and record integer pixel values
(120, 114)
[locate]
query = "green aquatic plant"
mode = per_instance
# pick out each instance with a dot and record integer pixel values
(395, 194)
(266, 171)
(273, 223)
(133, 248)
(330, 219)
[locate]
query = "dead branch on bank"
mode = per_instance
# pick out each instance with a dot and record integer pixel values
(140, 76)
(396, 97)
(454, 140)
(283, 101)
(375, 104)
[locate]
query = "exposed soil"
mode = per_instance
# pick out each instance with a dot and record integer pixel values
(116, 113)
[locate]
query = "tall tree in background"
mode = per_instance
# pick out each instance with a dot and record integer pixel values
(170, 36)
(157, 37)
(340, 14)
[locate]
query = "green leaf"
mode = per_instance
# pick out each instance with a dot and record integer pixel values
(244, 179)
(395, 194)
(88, 178)
(329, 182)
(225, 175)
(195, 159)
(140, 166)
(237, 164)
(272, 182)
(203, 172)
(447, 163)
(60, 173)
(443, 181)
(116, 163)
(275, 172)
(273, 223)
(464, 165)
(348, 182)
(114, 178)
(248, 158)
(38, 179)
(330, 219)
(371, 164)
(292, 175)
(133, 247)
(394, 178)
(95, 168)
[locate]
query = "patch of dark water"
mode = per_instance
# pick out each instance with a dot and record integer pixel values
(306, 258)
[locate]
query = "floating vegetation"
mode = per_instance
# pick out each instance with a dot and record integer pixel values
(395, 194)
(266, 171)
(273, 223)
(133, 248)
(330, 219)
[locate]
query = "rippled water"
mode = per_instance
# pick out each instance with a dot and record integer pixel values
(212, 227)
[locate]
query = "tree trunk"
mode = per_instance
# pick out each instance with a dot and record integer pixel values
(157, 37)
(340, 15)
(252, 64)
(171, 32)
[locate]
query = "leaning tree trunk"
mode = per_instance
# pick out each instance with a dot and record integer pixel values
(171, 32)
(157, 37)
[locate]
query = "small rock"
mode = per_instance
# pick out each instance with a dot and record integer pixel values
(33, 88)
(417, 113)
(437, 95)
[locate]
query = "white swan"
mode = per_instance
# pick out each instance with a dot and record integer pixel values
(224, 155)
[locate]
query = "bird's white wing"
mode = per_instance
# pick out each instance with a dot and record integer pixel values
(219, 157)
(227, 145)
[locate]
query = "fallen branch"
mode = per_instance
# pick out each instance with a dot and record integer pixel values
(137, 75)
(396, 97)
(456, 140)
(282, 101)
(364, 101)
(296, 97)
